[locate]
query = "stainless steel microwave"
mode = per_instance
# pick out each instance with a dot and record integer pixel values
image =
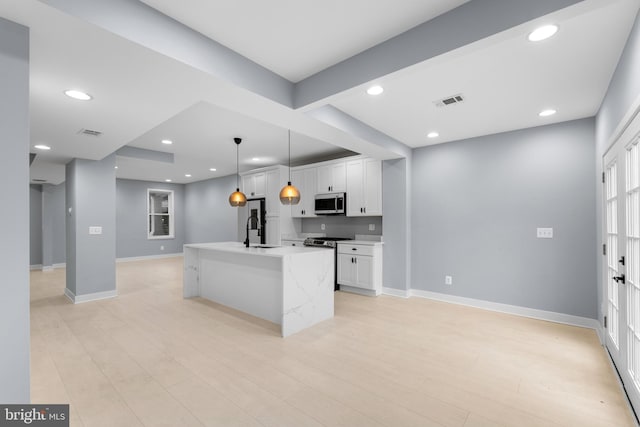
(331, 204)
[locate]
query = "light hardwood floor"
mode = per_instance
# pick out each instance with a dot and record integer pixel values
(150, 357)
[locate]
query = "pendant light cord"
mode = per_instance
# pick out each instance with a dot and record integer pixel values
(289, 156)
(237, 166)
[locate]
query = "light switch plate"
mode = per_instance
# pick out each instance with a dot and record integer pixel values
(544, 233)
(95, 230)
(372, 227)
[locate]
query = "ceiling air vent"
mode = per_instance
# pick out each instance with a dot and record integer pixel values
(450, 100)
(89, 132)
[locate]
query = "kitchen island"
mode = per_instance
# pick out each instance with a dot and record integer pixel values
(287, 285)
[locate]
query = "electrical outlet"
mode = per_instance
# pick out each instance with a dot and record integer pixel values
(448, 280)
(544, 233)
(95, 230)
(162, 248)
(322, 226)
(372, 227)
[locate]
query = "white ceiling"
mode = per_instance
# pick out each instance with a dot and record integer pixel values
(506, 80)
(142, 96)
(297, 38)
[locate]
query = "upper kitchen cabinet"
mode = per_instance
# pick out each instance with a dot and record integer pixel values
(254, 185)
(364, 187)
(266, 183)
(305, 179)
(332, 177)
(275, 181)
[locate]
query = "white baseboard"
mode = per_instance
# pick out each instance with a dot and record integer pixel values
(600, 331)
(47, 267)
(401, 293)
(533, 313)
(359, 291)
(77, 299)
(148, 257)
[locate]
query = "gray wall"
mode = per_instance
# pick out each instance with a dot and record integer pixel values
(35, 224)
(14, 249)
(58, 221)
(38, 212)
(131, 219)
(91, 194)
(396, 205)
(624, 89)
(476, 206)
(209, 217)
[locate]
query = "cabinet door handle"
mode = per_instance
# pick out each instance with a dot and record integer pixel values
(352, 261)
(365, 209)
(354, 249)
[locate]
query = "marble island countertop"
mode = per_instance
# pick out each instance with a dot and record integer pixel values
(240, 248)
(291, 286)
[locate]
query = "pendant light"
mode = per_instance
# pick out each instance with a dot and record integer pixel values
(289, 195)
(237, 198)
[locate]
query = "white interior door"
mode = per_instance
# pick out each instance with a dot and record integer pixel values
(622, 276)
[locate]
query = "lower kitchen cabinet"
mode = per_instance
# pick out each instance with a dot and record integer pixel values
(360, 268)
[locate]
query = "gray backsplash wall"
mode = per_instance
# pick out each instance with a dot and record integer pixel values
(131, 219)
(342, 226)
(477, 204)
(210, 218)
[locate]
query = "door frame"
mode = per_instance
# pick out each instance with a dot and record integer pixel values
(627, 131)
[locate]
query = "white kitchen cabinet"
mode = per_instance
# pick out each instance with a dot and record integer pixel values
(332, 177)
(364, 187)
(254, 185)
(306, 181)
(266, 183)
(272, 226)
(272, 196)
(360, 267)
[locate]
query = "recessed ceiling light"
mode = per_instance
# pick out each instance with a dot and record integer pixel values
(115, 167)
(212, 169)
(77, 94)
(42, 147)
(167, 141)
(375, 90)
(543, 33)
(256, 159)
(433, 135)
(167, 180)
(546, 113)
(188, 175)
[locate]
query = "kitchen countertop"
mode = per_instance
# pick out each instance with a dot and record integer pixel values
(239, 248)
(360, 242)
(291, 286)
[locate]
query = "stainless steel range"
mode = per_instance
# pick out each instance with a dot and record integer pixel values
(332, 243)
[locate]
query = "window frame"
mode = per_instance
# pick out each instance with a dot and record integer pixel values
(170, 213)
